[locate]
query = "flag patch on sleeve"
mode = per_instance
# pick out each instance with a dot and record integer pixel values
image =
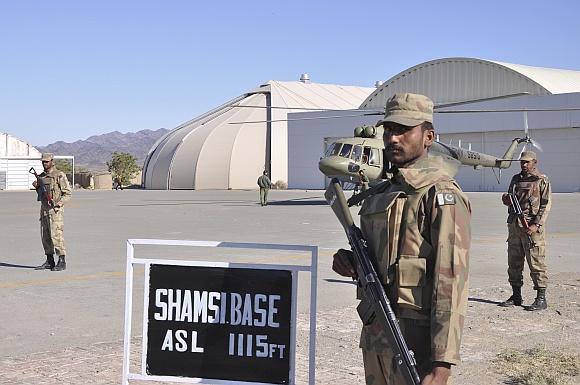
(446, 199)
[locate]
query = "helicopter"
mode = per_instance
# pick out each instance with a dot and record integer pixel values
(365, 151)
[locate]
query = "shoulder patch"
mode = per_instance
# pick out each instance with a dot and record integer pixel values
(447, 198)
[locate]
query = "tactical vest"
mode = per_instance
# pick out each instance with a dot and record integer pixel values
(529, 191)
(53, 182)
(396, 224)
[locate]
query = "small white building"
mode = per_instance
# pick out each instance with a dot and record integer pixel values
(16, 159)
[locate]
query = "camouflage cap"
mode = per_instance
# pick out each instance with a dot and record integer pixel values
(528, 155)
(47, 156)
(408, 110)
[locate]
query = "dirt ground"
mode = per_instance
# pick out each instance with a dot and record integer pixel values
(489, 331)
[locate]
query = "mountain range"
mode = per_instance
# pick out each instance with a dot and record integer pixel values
(94, 152)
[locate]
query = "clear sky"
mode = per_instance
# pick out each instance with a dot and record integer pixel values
(70, 69)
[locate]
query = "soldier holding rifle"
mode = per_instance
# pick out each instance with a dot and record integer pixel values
(529, 191)
(418, 229)
(53, 192)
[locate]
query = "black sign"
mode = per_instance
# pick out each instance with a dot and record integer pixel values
(219, 323)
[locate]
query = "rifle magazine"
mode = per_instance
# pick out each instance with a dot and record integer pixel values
(366, 310)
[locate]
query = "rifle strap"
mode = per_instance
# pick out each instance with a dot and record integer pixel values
(356, 199)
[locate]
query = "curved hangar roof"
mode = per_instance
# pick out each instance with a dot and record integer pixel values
(226, 147)
(462, 79)
(11, 146)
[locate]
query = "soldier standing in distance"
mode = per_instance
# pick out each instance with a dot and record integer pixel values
(363, 182)
(533, 191)
(265, 184)
(418, 228)
(51, 218)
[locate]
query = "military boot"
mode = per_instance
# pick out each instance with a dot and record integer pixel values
(48, 264)
(540, 302)
(61, 265)
(515, 299)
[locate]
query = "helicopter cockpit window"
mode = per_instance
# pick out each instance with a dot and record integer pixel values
(374, 157)
(345, 152)
(356, 154)
(366, 155)
(334, 149)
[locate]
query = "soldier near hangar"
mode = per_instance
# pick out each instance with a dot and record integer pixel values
(265, 185)
(418, 229)
(57, 193)
(527, 235)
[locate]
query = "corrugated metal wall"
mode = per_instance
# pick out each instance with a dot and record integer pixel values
(15, 175)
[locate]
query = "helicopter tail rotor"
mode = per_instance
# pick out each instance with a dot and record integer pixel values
(528, 138)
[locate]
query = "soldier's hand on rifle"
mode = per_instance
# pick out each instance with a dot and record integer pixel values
(505, 199)
(34, 184)
(342, 263)
(532, 229)
(440, 374)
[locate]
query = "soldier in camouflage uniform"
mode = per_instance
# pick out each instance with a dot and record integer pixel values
(51, 216)
(419, 232)
(533, 191)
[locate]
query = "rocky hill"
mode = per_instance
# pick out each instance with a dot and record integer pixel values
(94, 152)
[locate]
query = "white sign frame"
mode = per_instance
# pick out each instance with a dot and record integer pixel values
(295, 269)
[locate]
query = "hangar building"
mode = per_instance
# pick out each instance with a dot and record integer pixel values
(230, 146)
(551, 96)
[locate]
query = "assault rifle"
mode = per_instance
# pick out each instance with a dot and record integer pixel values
(41, 188)
(375, 302)
(517, 209)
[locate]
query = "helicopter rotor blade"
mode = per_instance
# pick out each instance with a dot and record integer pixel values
(536, 144)
(507, 110)
(526, 131)
(529, 139)
(299, 119)
(452, 104)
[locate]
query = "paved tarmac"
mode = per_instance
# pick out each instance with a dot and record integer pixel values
(68, 327)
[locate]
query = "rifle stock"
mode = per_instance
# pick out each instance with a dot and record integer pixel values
(375, 302)
(515, 206)
(41, 188)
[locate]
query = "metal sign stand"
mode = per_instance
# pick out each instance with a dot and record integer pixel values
(294, 269)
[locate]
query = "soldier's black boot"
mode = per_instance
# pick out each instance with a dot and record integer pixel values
(540, 302)
(61, 265)
(515, 299)
(48, 264)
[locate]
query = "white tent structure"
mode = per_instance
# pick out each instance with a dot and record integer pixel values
(231, 145)
(460, 80)
(16, 158)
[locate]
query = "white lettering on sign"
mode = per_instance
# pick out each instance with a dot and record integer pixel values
(245, 345)
(178, 341)
(213, 307)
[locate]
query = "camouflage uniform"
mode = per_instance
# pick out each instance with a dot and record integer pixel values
(419, 234)
(51, 219)
(534, 194)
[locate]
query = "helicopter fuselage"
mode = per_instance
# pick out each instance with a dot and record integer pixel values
(365, 151)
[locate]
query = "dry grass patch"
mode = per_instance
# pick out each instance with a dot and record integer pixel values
(539, 366)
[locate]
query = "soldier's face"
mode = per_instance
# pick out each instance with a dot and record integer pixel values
(47, 164)
(528, 165)
(405, 145)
